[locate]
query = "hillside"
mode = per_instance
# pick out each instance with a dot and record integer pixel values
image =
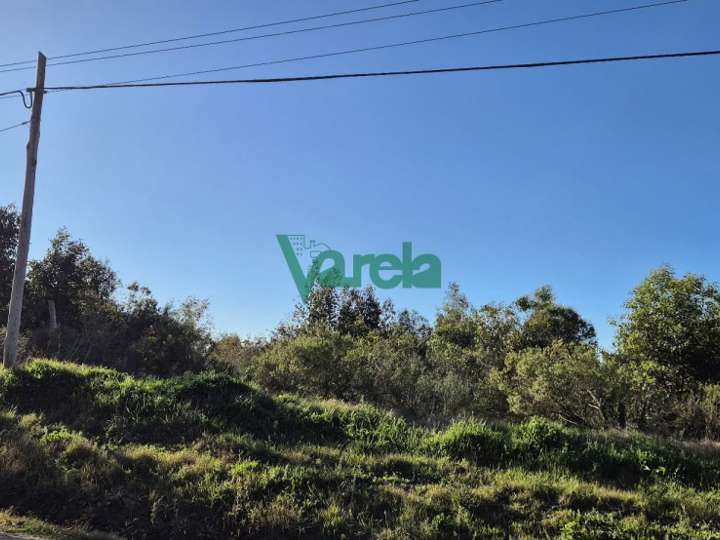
(207, 456)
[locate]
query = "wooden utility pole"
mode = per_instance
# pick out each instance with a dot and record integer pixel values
(18, 285)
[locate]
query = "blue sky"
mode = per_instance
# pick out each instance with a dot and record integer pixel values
(584, 178)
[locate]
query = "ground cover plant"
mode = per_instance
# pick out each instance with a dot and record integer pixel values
(209, 456)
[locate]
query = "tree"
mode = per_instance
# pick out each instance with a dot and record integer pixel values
(454, 326)
(411, 322)
(480, 338)
(360, 312)
(230, 352)
(322, 307)
(653, 395)
(9, 229)
(546, 321)
(673, 322)
(497, 333)
(310, 362)
(164, 340)
(67, 280)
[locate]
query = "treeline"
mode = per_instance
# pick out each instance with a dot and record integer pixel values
(73, 309)
(530, 357)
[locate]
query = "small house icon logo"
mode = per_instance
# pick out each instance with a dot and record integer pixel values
(306, 248)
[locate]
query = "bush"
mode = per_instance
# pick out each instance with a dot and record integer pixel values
(310, 363)
(538, 434)
(472, 440)
(564, 382)
(233, 354)
(385, 369)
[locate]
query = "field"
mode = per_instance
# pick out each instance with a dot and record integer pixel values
(93, 453)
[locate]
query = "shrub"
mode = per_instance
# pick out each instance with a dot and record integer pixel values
(541, 434)
(472, 440)
(309, 363)
(564, 382)
(233, 354)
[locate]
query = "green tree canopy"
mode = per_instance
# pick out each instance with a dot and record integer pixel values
(70, 276)
(673, 321)
(546, 321)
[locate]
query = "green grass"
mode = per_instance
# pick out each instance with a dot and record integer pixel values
(207, 456)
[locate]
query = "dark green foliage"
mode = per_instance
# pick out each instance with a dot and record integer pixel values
(546, 322)
(675, 322)
(162, 340)
(360, 312)
(346, 345)
(93, 326)
(69, 276)
(9, 228)
(564, 381)
(353, 312)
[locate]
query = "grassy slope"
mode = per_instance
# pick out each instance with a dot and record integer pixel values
(209, 457)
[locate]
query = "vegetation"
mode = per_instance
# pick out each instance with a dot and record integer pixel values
(71, 311)
(355, 419)
(207, 456)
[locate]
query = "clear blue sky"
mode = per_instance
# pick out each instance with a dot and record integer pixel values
(583, 178)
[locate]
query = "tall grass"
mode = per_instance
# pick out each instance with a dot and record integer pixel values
(207, 456)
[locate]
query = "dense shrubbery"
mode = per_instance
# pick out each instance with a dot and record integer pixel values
(569, 382)
(347, 345)
(530, 358)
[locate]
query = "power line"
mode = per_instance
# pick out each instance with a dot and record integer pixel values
(494, 67)
(263, 36)
(387, 46)
(408, 43)
(14, 126)
(218, 33)
(18, 93)
(13, 94)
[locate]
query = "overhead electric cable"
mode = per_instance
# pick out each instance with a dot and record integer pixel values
(262, 36)
(408, 43)
(220, 32)
(15, 126)
(493, 67)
